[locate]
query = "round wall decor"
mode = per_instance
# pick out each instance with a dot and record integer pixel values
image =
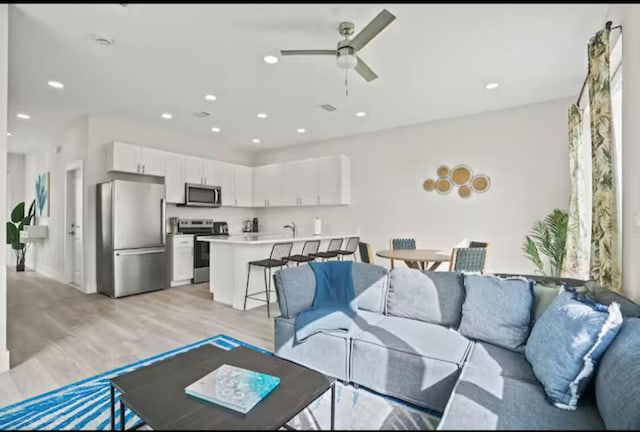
(429, 185)
(443, 186)
(461, 174)
(480, 183)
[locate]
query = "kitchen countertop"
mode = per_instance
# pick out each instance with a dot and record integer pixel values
(267, 238)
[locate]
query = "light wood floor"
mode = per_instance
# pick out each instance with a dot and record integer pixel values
(57, 335)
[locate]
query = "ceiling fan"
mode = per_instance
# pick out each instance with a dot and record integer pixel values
(346, 52)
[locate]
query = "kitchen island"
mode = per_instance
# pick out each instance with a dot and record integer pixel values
(229, 258)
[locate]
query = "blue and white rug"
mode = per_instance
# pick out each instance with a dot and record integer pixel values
(85, 405)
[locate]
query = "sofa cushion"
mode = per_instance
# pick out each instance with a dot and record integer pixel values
(500, 361)
(313, 351)
(416, 337)
(567, 342)
(411, 360)
(497, 310)
(434, 297)
(370, 283)
(618, 379)
(296, 287)
(543, 296)
(484, 400)
(605, 296)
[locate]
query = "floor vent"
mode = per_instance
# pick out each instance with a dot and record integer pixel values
(328, 107)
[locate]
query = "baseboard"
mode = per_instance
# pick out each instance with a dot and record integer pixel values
(4, 361)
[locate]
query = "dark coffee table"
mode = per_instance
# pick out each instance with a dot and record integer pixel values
(156, 392)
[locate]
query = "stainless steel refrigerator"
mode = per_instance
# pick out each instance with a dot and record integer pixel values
(131, 250)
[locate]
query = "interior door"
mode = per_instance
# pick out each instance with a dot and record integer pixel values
(138, 215)
(76, 227)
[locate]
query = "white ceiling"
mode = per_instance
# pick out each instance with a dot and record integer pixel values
(432, 62)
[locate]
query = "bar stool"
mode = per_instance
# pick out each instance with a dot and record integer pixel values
(350, 249)
(310, 247)
(332, 250)
(279, 252)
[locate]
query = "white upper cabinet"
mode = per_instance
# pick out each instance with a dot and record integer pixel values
(193, 170)
(123, 157)
(300, 182)
(225, 181)
(268, 186)
(211, 172)
(334, 180)
(131, 158)
(242, 186)
(319, 181)
(152, 161)
(174, 177)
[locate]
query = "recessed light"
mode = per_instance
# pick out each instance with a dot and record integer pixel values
(255, 141)
(301, 130)
(270, 59)
(56, 84)
(215, 129)
(361, 114)
(210, 97)
(262, 115)
(491, 86)
(167, 116)
(23, 116)
(8, 133)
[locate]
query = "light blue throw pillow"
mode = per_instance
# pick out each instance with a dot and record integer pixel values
(497, 310)
(567, 342)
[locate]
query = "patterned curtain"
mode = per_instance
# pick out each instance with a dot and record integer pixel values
(576, 260)
(605, 236)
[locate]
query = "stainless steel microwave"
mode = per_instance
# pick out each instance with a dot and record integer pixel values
(200, 195)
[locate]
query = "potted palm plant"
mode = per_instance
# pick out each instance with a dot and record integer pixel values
(548, 238)
(18, 221)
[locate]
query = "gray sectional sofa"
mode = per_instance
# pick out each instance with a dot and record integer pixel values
(408, 347)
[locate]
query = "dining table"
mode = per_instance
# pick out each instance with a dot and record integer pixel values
(421, 259)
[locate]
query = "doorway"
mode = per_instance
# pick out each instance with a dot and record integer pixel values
(74, 224)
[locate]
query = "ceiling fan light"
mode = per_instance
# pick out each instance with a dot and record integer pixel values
(347, 61)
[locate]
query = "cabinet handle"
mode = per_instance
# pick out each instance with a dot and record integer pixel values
(138, 170)
(143, 166)
(318, 199)
(235, 202)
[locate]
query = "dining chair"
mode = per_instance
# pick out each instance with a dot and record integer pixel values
(477, 244)
(350, 248)
(366, 253)
(468, 260)
(401, 243)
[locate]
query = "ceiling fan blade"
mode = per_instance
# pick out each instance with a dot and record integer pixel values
(308, 52)
(365, 71)
(372, 29)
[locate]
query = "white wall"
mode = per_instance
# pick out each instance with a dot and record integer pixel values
(47, 256)
(15, 191)
(105, 129)
(524, 150)
(4, 59)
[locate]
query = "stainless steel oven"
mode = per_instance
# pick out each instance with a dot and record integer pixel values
(203, 227)
(200, 195)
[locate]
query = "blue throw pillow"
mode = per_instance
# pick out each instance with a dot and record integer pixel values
(567, 342)
(497, 310)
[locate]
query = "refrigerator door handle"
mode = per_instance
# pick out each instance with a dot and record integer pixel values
(140, 251)
(163, 223)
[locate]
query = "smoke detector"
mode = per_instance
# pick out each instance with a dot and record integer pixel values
(103, 40)
(328, 107)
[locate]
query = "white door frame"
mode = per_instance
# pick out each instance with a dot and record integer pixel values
(68, 260)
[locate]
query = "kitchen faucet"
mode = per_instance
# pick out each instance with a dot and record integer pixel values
(293, 228)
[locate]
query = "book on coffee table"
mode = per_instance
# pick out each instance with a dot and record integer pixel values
(233, 387)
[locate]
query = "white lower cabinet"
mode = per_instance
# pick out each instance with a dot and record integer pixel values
(180, 249)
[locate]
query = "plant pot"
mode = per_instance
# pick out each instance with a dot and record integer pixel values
(20, 265)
